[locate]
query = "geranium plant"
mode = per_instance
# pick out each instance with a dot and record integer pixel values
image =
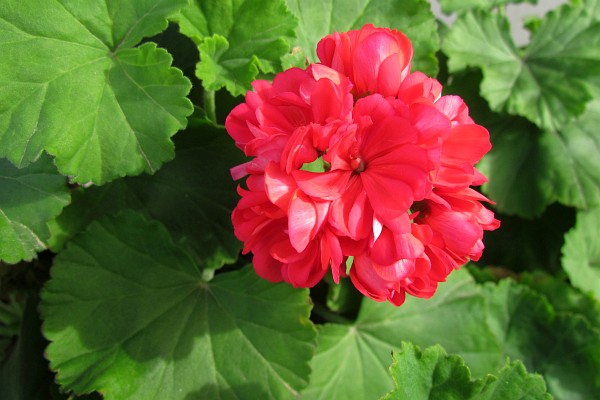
(206, 199)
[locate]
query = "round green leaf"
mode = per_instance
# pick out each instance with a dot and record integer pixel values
(128, 315)
(550, 81)
(73, 86)
(29, 198)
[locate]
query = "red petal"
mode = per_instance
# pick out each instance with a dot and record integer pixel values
(279, 186)
(325, 185)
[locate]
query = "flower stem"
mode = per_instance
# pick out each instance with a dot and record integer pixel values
(209, 105)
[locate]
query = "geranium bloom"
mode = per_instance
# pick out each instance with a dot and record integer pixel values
(358, 161)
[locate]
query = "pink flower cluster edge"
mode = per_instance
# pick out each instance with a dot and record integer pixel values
(362, 168)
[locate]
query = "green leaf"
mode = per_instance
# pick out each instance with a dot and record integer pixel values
(352, 360)
(432, 374)
(72, 85)
(450, 6)
(128, 314)
(237, 40)
(565, 349)
(573, 154)
(192, 195)
(529, 169)
(563, 296)
(318, 18)
(581, 253)
(484, 325)
(520, 177)
(29, 198)
(550, 81)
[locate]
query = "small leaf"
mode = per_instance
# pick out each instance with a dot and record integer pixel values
(432, 374)
(318, 18)
(72, 85)
(581, 253)
(29, 198)
(550, 81)
(237, 40)
(128, 315)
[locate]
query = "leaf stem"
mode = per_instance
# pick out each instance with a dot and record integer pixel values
(328, 315)
(209, 105)
(501, 10)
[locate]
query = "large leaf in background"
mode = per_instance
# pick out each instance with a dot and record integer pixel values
(581, 253)
(432, 374)
(528, 169)
(237, 39)
(192, 195)
(29, 198)
(317, 18)
(482, 325)
(71, 84)
(574, 154)
(128, 314)
(519, 173)
(449, 6)
(550, 81)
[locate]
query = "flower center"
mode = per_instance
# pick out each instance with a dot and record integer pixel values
(358, 165)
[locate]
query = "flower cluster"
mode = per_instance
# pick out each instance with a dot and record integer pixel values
(361, 168)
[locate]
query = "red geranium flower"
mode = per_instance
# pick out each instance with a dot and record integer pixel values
(359, 161)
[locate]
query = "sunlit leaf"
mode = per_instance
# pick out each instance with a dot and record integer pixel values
(550, 81)
(72, 84)
(237, 39)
